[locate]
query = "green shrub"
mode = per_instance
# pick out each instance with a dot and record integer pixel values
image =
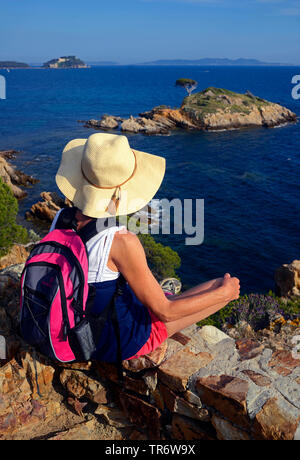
(10, 232)
(162, 260)
(258, 310)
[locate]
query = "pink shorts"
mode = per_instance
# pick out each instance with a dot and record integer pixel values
(157, 336)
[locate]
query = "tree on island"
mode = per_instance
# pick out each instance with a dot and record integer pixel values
(188, 84)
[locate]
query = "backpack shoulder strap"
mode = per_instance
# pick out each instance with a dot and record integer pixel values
(67, 220)
(88, 231)
(95, 226)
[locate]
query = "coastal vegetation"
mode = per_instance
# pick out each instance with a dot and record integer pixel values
(188, 84)
(212, 100)
(163, 260)
(10, 231)
(257, 310)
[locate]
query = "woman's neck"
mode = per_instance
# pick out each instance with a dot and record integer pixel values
(82, 220)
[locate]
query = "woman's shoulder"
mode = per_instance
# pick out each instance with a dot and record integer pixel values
(126, 238)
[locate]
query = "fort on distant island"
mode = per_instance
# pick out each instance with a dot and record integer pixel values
(65, 62)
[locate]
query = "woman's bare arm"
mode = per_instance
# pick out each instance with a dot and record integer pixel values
(128, 255)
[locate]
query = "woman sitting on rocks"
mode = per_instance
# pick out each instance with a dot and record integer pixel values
(103, 177)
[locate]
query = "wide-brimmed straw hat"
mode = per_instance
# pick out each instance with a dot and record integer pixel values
(104, 176)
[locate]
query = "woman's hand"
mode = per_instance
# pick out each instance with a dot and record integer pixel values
(230, 287)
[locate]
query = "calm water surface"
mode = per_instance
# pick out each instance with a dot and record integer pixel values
(249, 179)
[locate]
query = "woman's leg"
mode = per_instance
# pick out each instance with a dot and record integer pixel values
(179, 324)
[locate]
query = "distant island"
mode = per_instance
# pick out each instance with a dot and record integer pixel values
(214, 62)
(13, 65)
(65, 62)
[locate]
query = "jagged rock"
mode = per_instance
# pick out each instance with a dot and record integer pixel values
(212, 335)
(89, 430)
(79, 385)
(113, 416)
(211, 109)
(275, 422)
(12, 177)
(143, 125)
(215, 109)
(180, 390)
(106, 122)
(17, 255)
(287, 279)
(227, 431)
(47, 209)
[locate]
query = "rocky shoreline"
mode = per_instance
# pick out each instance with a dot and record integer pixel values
(213, 109)
(14, 178)
(201, 384)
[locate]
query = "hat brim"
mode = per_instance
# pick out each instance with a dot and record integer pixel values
(92, 201)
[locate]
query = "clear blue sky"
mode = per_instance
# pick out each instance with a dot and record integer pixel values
(132, 31)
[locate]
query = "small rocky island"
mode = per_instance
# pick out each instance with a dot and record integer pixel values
(65, 62)
(13, 65)
(212, 109)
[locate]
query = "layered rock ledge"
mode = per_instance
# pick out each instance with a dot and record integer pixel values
(213, 109)
(14, 178)
(200, 384)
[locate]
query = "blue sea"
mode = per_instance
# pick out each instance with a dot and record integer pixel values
(249, 179)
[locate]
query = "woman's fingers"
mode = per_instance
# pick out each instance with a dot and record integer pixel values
(232, 287)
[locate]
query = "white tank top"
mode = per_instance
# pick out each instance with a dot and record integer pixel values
(98, 249)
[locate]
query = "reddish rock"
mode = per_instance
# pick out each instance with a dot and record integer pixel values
(181, 338)
(142, 414)
(136, 385)
(274, 423)
(176, 371)
(16, 255)
(287, 279)
(185, 428)
(248, 348)
(228, 432)
(7, 424)
(192, 398)
(113, 416)
(226, 394)
(283, 363)
(138, 436)
(107, 371)
(168, 397)
(175, 403)
(47, 209)
(258, 379)
(153, 359)
(79, 384)
(89, 430)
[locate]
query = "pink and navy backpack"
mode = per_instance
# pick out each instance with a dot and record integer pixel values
(55, 296)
